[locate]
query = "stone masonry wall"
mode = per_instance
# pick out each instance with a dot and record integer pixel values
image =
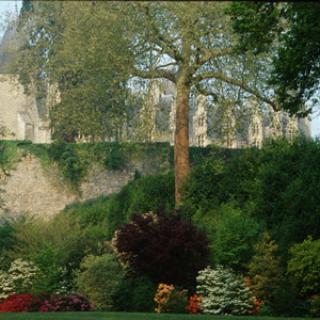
(31, 188)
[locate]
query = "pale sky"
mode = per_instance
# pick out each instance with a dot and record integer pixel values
(10, 7)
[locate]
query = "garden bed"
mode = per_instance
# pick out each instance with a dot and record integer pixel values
(124, 316)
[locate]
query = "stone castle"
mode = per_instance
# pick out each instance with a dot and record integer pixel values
(24, 117)
(217, 123)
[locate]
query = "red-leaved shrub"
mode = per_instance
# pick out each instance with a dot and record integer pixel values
(165, 249)
(20, 303)
(72, 302)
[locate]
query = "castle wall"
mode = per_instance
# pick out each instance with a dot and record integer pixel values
(19, 116)
(31, 187)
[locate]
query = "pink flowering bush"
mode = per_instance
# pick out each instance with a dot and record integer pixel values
(72, 302)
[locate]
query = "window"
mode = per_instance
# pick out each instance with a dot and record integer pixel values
(255, 129)
(201, 121)
(201, 139)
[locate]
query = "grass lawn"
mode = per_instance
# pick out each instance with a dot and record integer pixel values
(123, 316)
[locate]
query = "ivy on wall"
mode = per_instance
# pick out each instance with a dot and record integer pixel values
(74, 160)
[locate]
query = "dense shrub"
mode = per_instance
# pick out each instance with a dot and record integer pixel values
(56, 246)
(7, 240)
(170, 299)
(53, 277)
(102, 216)
(234, 236)
(135, 293)
(265, 269)
(74, 302)
(99, 279)
(304, 266)
(287, 196)
(314, 302)
(223, 292)
(92, 212)
(221, 177)
(150, 193)
(20, 303)
(286, 301)
(166, 249)
(278, 184)
(91, 217)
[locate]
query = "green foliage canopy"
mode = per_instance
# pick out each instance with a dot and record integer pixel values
(291, 31)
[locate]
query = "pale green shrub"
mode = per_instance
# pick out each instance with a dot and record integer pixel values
(99, 279)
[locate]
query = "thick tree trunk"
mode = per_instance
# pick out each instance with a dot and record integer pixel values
(181, 143)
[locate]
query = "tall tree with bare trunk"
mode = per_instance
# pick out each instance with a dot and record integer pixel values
(184, 42)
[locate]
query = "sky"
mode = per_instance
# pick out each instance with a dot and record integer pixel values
(10, 7)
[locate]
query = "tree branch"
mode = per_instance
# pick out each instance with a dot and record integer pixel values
(205, 55)
(205, 92)
(153, 74)
(165, 43)
(243, 86)
(167, 65)
(210, 54)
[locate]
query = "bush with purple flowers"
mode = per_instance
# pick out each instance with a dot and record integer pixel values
(74, 302)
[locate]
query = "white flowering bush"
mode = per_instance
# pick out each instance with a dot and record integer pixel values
(223, 292)
(18, 279)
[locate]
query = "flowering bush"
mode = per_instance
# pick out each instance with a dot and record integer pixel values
(194, 304)
(18, 279)
(223, 292)
(72, 302)
(169, 299)
(257, 305)
(19, 303)
(44, 303)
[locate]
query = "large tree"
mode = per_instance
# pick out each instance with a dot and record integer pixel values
(184, 42)
(65, 48)
(188, 43)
